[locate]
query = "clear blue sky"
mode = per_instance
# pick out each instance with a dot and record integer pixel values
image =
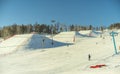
(84, 12)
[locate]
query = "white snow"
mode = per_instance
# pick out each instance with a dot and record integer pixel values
(40, 42)
(12, 44)
(65, 37)
(60, 59)
(86, 32)
(1, 39)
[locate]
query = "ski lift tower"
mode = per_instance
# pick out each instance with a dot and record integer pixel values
(114, 34)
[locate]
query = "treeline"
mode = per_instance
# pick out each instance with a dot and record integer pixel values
(14, 29)
(114, 26)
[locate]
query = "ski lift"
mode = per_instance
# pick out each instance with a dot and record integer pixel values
(114, 34)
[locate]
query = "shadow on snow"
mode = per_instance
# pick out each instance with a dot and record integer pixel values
(83, 35)
(39, 42)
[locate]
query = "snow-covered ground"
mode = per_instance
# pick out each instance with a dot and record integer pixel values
(13, 44)
(61, 59)
(41, 42)
(1, 39)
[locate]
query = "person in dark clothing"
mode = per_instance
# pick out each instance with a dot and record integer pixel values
(89, 57)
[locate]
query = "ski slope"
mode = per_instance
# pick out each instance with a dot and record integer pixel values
(66, 37)
(72, 59)
(13, 44)
(42, 42)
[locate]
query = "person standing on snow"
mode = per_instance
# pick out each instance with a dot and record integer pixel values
(89, 57)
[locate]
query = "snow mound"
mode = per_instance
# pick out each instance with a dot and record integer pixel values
(95, 33)
(85, 32)
(40, 41)
(65, 37)
(78, 34)
(13, 44)
(88, 33)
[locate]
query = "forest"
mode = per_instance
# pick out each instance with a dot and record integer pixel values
(55, 28)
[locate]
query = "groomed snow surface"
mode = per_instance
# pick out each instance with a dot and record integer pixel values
(64, 53)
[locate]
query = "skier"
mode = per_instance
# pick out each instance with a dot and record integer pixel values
(89, 57)
(43, 40)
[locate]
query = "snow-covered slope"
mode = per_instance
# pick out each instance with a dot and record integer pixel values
(38, 41)
(12, 44)
(85, 32)
(65, 37)
(89, 33)
(71, 59)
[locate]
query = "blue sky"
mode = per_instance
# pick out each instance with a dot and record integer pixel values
(83, 12)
